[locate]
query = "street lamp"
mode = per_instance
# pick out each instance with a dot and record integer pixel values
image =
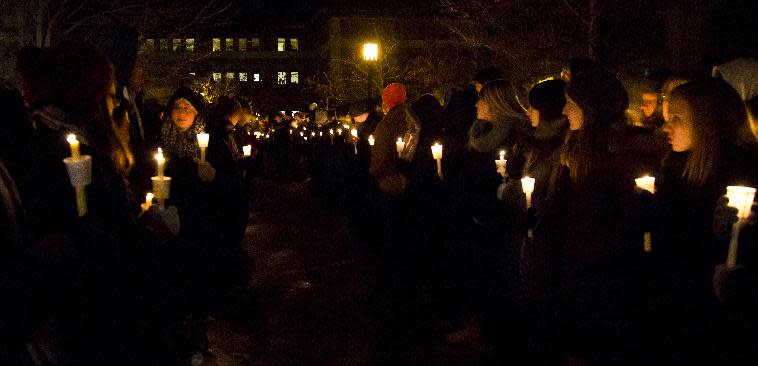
(370, 53)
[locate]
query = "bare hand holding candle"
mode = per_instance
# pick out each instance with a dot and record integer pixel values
(647, 183)
(527, 185)
(437, 155)
(202, 141)
(79, 173)
(740, 198)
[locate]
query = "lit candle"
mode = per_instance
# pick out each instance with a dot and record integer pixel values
(247, 150)
(202, 141)
(346, 126)
(500, 164)
(740, 198)
(331, 135)
(527, 185)
(74, 144)
(400, 146)
(354, 133)
(320, 134)
(290, 131)
(305, 138)
(647, 183)
(437, 155)
(313, 134)
(148, 200)
(160, 162)
(371, 140)
(339, 131)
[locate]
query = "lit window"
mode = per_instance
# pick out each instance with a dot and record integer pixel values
(256, 77)
(255, 44)
(280, 44)
(281, 77)
(150, 44)
(294, 77)
(243, 44)
(230, 44)
(229, 76)
(176, 44)
(164, 44)
(189, 44)
(216, 76)
(243, 76)
(216, 44)
(293, 43)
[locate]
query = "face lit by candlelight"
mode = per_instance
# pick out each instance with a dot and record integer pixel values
(678, 127)
(534, 116)
(183, 114)
(574, 114)
(483, 110)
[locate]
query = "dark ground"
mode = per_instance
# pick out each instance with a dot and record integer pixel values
(314, 300)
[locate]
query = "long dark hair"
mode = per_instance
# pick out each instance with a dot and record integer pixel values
(717, 112)
(603, 100)
(77, 78)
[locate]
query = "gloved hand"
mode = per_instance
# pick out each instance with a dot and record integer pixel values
(164, 223)
(205, 171)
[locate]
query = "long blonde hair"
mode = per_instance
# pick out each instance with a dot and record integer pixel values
(500, 98)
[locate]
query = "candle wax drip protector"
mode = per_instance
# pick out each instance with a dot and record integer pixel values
(161, 187)
(79, 170)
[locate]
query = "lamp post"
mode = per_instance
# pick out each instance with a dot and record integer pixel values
(370, 53)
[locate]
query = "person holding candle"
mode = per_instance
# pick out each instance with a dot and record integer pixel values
(500, 125)
(702, 125)
(84, 289)
(385, 163)
(589, 219)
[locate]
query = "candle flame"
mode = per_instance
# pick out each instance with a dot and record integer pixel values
(71, 138)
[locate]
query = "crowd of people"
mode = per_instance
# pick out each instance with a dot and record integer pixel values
(585, 268)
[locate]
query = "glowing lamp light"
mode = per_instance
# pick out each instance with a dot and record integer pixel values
(370, 51)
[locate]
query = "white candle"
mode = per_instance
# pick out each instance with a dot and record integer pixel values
(400, 146)
(740, 198)
(647, 183)
(247, 150)
(371, 140)
(346, 126)
(302, 134)
(331, 131)
(74, 144)
(500, 164)
(305, 138)
(437, 151)
(437, 155)
(290, 131)
(527, 185)
(339, 131)
(313, 134)
(320, 134)
(148, 200)
(202, 141)
(354, 133)
(160, 162)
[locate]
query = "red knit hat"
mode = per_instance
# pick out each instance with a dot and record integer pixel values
(393, 95)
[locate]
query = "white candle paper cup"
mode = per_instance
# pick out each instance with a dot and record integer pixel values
(161, 187)
(79, 170)
(741, 198)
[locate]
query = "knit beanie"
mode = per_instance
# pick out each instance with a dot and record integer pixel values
(599, 94)
(393, 95)
(184, 92)
(548, 97)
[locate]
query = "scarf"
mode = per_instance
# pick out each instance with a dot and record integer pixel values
(181, 143)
